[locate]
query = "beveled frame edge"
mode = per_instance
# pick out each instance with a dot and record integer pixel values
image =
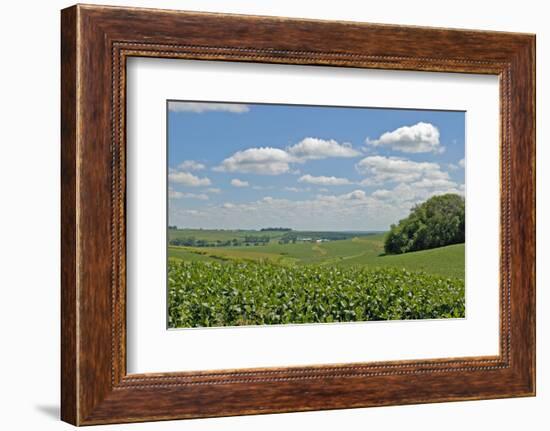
(96, 41)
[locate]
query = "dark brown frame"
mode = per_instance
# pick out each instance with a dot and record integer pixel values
(95, 42)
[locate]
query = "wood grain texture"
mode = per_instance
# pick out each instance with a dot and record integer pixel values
(96, 41)
(69, 366)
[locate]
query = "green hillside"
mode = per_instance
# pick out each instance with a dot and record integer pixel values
(362, 251)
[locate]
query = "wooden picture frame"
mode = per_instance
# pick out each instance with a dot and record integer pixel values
(95, 43)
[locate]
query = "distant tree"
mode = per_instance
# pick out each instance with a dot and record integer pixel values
(189, 242)
(437, 222)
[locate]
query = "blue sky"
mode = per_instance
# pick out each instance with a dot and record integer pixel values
(248, 166)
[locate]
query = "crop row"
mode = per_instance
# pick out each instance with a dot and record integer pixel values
(203, 294)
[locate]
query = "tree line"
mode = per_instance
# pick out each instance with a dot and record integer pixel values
(233, 242)
(438, 222)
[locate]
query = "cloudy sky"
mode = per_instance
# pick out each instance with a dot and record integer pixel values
(237, 166)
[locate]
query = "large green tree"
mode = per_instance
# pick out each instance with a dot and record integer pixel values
(437, 222)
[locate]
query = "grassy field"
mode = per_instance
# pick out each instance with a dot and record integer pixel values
(307, 282)
(364, 251)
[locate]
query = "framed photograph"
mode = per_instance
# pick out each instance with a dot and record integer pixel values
(264, 215)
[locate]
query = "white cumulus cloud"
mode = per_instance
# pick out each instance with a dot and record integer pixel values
(353, 210)
(324, 181)
(188, 179)
(380, 169)
(174, 194)
(264, 160)
(356, 195)
(235, 182)
(297, 189)
(406, 195)
(434, 183)
(462, 163)
(419, 138)
(200, 196)
(191, 212)
(200, 107)
(191, 165)
(314, 149)
(276, 161)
